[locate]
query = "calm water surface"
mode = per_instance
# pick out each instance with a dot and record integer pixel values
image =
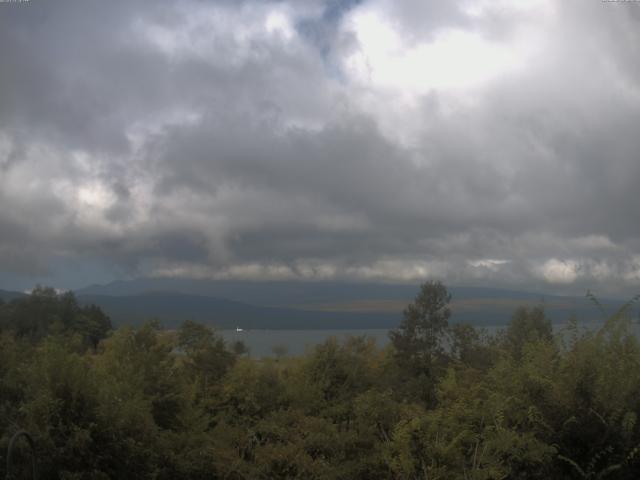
(262, 343)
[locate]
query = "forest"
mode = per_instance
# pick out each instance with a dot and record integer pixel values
(443, 400)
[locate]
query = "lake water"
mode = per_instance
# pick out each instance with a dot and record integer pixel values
(261, 343)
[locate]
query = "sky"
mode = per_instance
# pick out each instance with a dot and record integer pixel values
(487, 142)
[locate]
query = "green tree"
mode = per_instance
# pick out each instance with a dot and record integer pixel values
(45, 312)
(471, 346)
(92, 324)
(206, 357)
(420, 340)
(527, 325)
(142, 364)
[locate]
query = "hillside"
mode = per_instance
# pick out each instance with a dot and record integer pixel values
(313, 305)
(172, 308)
(7, 295)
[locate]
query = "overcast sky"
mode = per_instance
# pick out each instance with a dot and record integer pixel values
(478, 142)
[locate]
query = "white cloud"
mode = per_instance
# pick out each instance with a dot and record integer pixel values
(593, 242)
(559, 271)
(454, 60)
(488, 263)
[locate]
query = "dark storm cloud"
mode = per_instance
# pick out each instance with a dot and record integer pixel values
(235, 139)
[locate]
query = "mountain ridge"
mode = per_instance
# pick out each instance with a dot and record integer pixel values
(286, 304)
(309, 305)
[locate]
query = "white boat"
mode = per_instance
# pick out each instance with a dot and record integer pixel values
(238, 329)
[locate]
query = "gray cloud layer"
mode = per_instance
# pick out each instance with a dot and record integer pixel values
(270, 140)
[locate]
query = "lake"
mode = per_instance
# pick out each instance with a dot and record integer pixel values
(261, 343)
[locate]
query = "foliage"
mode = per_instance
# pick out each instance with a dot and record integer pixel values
(45, 312)
(419, 341)
(440, 402)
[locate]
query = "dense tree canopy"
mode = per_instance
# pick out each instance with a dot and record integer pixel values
(147, 403)
(45, 312)
(419, 341)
